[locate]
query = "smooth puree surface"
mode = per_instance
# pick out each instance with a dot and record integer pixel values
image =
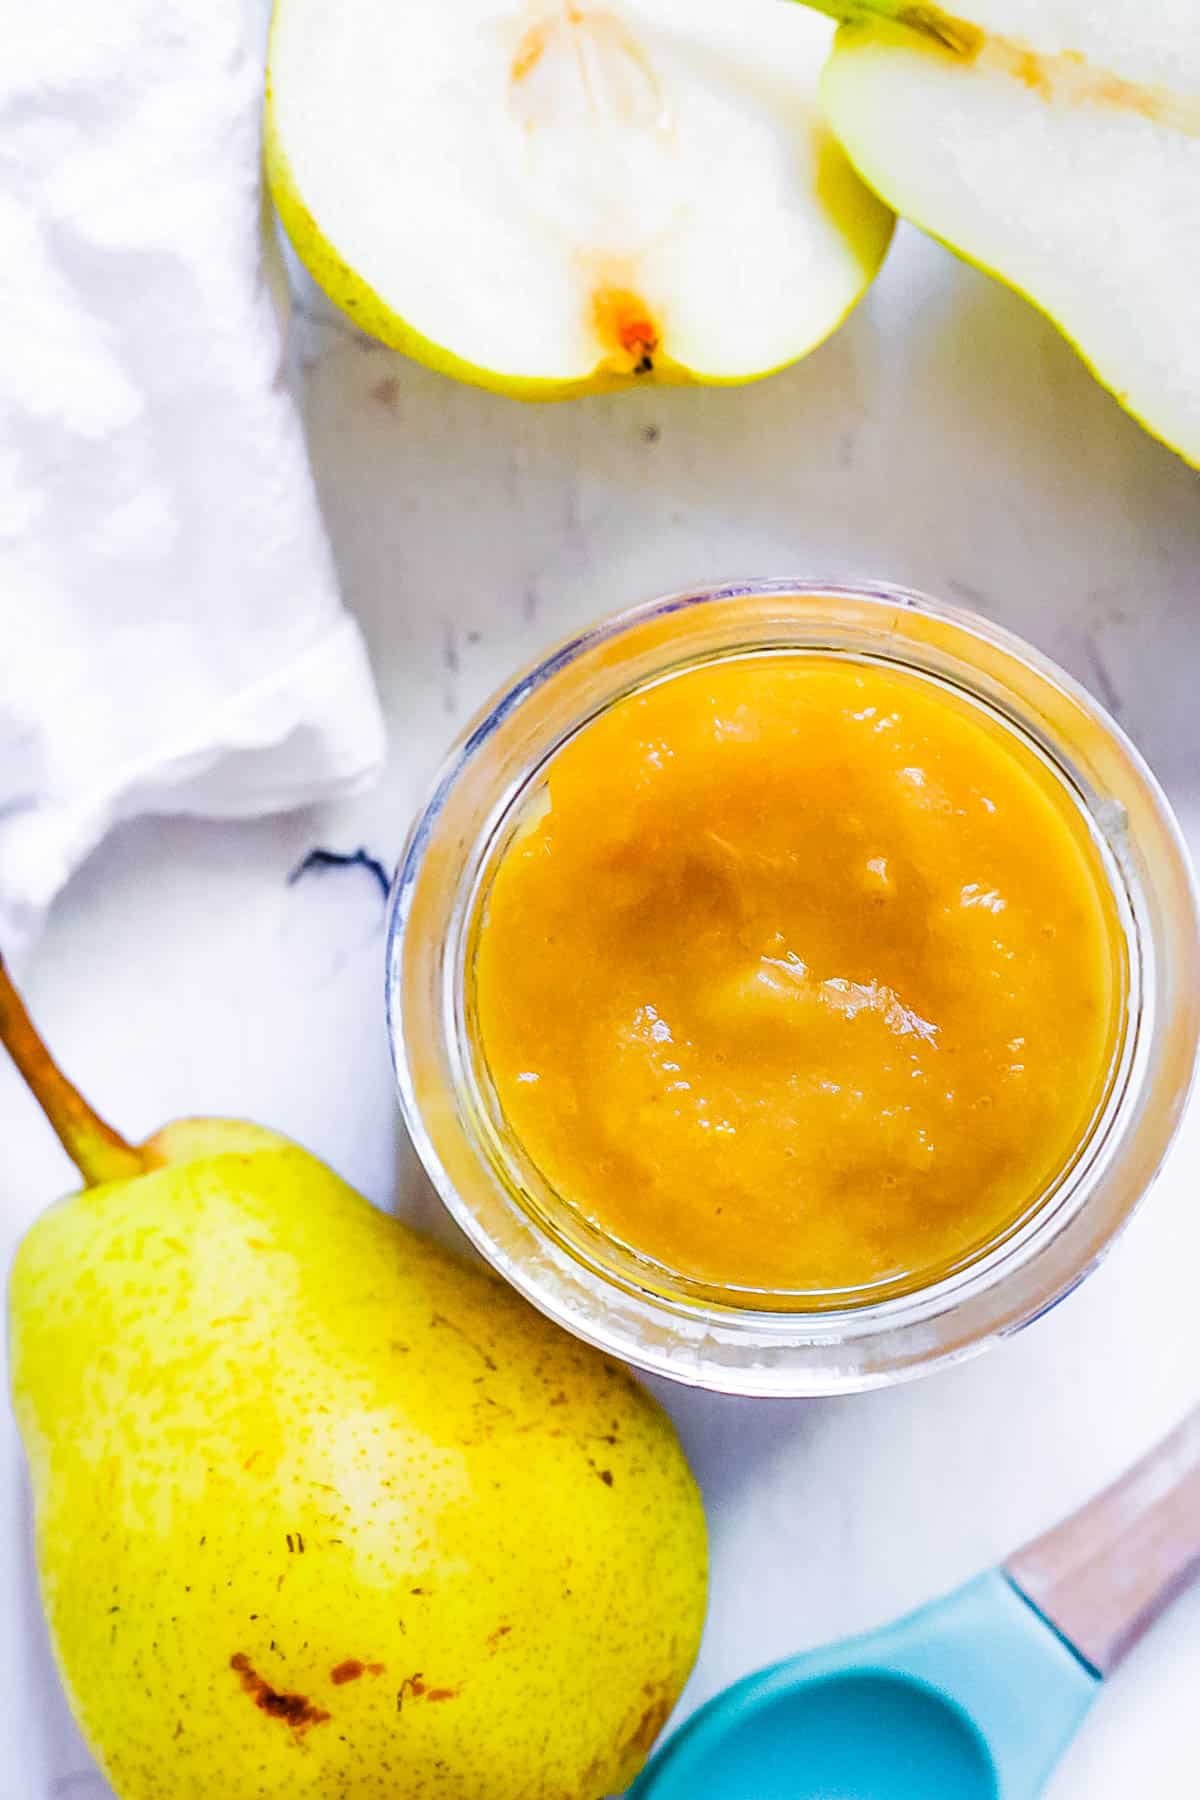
(801, 974)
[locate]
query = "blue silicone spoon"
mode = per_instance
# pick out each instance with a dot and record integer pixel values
(974, 1697)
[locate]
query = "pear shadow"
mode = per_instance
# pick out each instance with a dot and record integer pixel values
(728, 1438)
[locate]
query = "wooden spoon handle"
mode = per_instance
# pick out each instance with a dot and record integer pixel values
(1103, 1576)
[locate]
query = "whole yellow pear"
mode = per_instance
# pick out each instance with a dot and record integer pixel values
(321, 1511)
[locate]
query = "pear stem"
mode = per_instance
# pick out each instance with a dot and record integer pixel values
(98, 1152)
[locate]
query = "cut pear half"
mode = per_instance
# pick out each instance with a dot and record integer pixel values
(1056, 143)
(552, 198)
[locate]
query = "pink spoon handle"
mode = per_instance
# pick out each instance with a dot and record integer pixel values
(1103, 1576)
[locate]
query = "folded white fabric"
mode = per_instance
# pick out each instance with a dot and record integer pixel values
(171, 637)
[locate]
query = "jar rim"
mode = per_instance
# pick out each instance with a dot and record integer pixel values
(797, 1349)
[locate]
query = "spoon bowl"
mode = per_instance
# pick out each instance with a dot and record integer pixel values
(972, 1698)
(844, 1737)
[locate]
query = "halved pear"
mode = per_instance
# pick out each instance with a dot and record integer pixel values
(1056, 143)
(558, 197)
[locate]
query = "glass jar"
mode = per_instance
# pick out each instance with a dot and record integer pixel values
(602, 1291)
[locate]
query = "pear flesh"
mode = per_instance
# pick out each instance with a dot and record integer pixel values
(551, 198)
(324, 1514)
(1055, 143)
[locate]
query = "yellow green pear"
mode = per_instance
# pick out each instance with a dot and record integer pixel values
(1056, 146)
(321, 1512)
(553, 199)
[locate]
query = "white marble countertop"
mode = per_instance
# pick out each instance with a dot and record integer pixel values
(946, 438)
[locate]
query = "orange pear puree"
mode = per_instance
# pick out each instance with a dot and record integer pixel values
(808, 976)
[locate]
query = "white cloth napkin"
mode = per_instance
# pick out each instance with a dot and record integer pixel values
(171, 637)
